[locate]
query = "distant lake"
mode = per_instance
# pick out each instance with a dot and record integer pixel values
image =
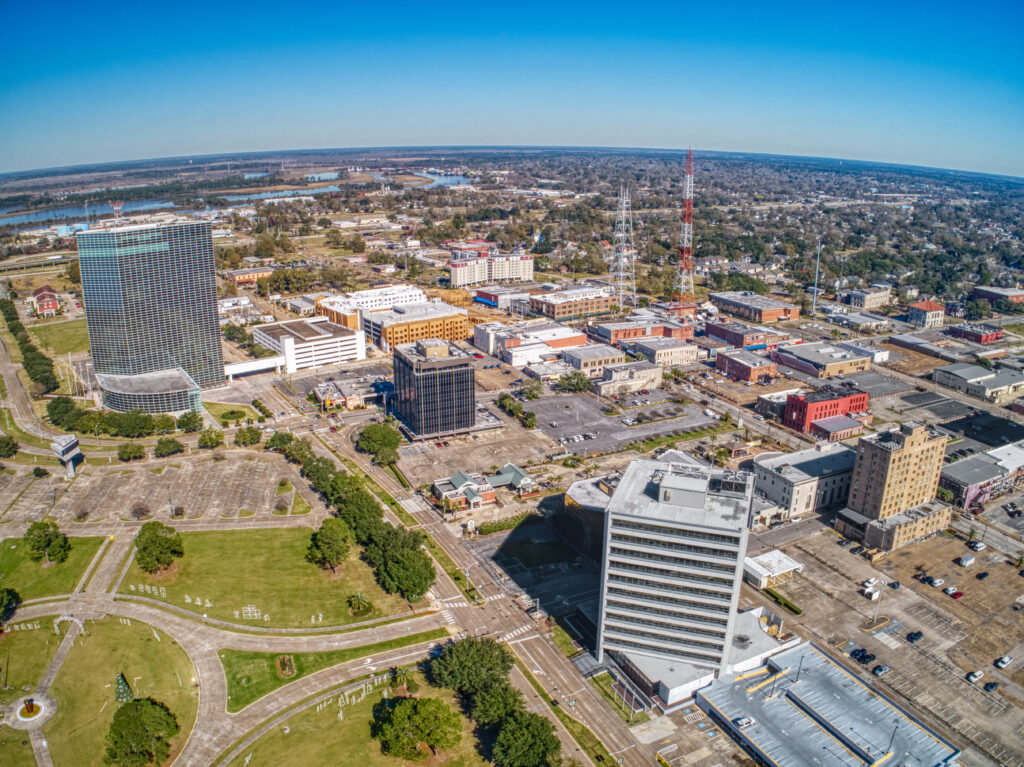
(322, 176)
(283, 193)
(249, 176)
(79, 211)
(445, 180)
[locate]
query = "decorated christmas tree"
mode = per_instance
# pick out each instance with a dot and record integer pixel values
(123, 690)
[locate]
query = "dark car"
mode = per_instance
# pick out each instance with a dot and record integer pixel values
(991, 686)
(981, 576)
(868, 658)
(915, 636)
(844, 542)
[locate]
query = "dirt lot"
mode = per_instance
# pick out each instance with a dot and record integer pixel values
(959, 635)
(909, 362)
(739, 392)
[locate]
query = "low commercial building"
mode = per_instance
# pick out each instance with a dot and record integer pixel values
(822, 360)
(992, 385)
(311, 343)
(514, 478)
(500, 298)
(869, 298)
(742, 336)
(911, 526)
(413, 322)
(745, 366)
(859, 321)
(803, 409)
(527, 342)
(773, 404)
(773, 568)
(927, 314)
(709, 348)
(754, 307)
(665, 352)
(878, 355)
(935, 343)
(628, 378)
(978, 333)
(615, 333)
(836, 428)
(249, 276)
(990, 293)
(592, 359)
(979, 478)
(45, 301)
(818, 713)
(463, 490)
(576, 303)
(805, 482)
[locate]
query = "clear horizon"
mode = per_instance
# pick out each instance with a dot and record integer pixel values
(920, 84)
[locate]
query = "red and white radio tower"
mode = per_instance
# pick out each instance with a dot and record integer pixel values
(685, 304)
(117, 205)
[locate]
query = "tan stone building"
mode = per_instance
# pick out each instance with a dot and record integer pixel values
(406, 324)
(892, 493)
(593, 359)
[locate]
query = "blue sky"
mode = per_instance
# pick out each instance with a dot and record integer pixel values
(937, 83)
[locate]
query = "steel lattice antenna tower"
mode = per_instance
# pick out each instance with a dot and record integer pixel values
(686, 298)
(622, 262)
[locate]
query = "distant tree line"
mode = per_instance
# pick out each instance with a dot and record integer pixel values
(38, 367)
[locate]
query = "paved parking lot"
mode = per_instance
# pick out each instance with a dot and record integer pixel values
(567, 416)
(959, 635)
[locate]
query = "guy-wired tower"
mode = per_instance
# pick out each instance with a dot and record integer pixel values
(685, 300)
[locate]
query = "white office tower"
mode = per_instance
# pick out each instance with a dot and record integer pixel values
(675, 539)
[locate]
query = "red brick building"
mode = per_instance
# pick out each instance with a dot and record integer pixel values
(615, 332)
(745, 336)
(802, 409)
(976, 332)
(744, 366)
(45, 301)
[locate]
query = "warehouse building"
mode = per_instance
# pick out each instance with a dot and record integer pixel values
(754, 307)
(628, 378)
(745, 366)
(593, 359)
(978, 333)
(615, 333)
(822, 360)
(743, 336)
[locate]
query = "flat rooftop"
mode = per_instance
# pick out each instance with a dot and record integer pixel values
(304, 330)
(822, 354)
(157, 382)
(657, 343)
(592, 352)
(822, 461)
(696, 496)
(749, 359)
(809, 710)
(837, 423)
(414, 312)
(747, 298)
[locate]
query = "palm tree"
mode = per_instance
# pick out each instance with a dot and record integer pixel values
(973, 534)
(359, 602)
(400, 677)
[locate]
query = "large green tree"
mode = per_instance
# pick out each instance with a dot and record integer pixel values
(47, 542)
(9, 601)
(139, 734)
(496, 702)
(526, 740)
(249, 435)
(211, 438)
(8, 446)
(574, 382)
(129, 451)
(381, 441)
(166, 446)
(156, 546)
(470, 665)
(406, 725)
(330, 544)
(190, 421)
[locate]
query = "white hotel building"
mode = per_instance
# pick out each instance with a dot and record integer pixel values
(494, 268)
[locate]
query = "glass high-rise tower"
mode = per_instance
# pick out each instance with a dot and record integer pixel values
(151, 306)
(434, 387)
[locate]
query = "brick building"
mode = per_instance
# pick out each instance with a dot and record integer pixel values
(803, 409)
(745, 366)
(754, 307)
(571, 304)
(823, 360)
(743, 336)
(979, 333)
(45, 301)
(617, 332)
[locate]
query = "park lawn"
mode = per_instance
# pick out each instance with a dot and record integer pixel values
(16, 749)
(251, 675)
(266, 569)
(62, 337)
(217, 409)
(319, 737)
(603, 683)
(24, 656)
(31, 580)
(84, 687)
(300, 505)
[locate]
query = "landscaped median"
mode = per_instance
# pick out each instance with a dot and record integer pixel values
(782, 601)
(251, 675)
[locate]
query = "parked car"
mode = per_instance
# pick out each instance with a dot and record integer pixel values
(981, 576)
(936, 582)
(880, 670)
(977, 546)
(915, 636)
(744, 722)
(1003, 662)
(991, 686)
(895, 585)
(950, 590)
(974, 676)
(957, 594)
(844, 542)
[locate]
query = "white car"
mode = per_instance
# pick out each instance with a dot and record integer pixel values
(974, 676)
(1003, 662)
(977, 546)
(936, 582)
(950, 590)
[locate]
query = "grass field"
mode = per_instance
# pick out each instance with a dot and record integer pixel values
(603, 683)
(15, 749)
(24, 656)
(31, 580)
(251, 675)
(268, 570)
(62, 337)
(217, 409)
(319, 737)
(84, 687)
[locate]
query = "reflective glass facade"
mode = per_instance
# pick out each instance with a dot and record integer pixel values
(433, 396)
(151, 301)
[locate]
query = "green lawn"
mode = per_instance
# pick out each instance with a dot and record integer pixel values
(62, 337)
(32, 580)
(266, 569)
(217, 409)
(603, 683)
(320, 737)
(251, 675)
(300, 505)
(84, 687)
(15, 749)
(24, 656)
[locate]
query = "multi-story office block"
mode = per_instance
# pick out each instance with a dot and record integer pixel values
(893, 488)
(676, 536)
(151, 307)
(434, 388)
(311, 343)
